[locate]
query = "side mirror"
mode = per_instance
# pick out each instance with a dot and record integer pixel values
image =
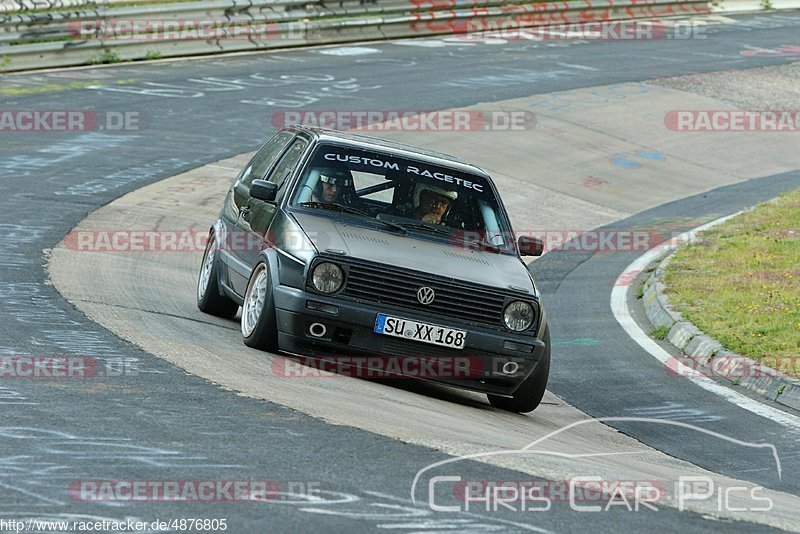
(530, 246)
(264, 190)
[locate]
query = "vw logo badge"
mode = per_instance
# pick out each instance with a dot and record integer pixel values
(425, 295)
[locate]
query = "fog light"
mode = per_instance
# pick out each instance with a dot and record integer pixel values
(317, 330)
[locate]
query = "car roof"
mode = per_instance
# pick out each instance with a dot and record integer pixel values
(399, 149)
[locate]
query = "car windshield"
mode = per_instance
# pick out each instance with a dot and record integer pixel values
(416, 196)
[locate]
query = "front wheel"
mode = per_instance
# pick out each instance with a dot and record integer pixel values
(259, 328)
(209, 297)
(528, 396)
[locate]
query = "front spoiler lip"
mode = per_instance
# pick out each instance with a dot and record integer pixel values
(303, 347)
(392, 374)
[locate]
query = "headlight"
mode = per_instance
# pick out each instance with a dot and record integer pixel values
(518, 316)
(327, 277)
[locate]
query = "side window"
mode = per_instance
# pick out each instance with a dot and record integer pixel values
(264, 159)
(288, 162)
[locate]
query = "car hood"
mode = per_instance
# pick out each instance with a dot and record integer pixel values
(398, 250)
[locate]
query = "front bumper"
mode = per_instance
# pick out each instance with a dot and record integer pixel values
(349, 332)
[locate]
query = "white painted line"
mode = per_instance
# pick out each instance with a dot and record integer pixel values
(426, 524)
(224, 167)
(349, 51)
(579, 67)
(619, 306)
(711, 54)
(667, 59)
(424, 43)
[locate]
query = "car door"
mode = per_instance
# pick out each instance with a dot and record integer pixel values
(257, 215)
(235, 242)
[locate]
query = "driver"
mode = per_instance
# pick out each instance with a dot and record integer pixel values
(432, 203)
(331, 185)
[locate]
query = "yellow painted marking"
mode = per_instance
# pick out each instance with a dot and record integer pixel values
(51, 87)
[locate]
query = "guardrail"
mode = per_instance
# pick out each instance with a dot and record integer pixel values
(9, 6)
(58, 33)
(748, 6)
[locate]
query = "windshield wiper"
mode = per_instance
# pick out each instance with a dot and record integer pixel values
(350, 209)
(334, 206)
(483, 245)
(433, 229)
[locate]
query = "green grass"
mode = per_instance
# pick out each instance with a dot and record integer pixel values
(108, 56)
(740, 283)
(639, 290)
(660, 333)
(152, 54)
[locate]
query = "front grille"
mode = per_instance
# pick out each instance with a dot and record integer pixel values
(382, 284)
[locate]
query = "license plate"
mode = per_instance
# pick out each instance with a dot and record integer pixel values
(424, 332)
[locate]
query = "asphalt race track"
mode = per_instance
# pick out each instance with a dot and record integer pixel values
(191, 403)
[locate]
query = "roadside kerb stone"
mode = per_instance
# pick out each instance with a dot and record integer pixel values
(708, 353)
(682, 333)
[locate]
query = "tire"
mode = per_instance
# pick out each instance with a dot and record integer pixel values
(210, 298)
(530, 393)
(259, 328)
